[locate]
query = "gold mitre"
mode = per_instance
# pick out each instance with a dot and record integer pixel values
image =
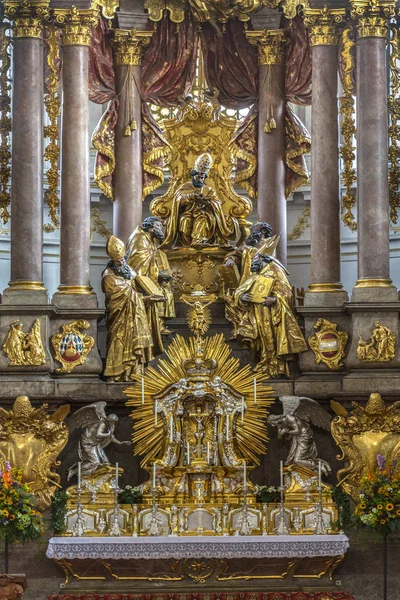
(269, 245)
(115, 248)
(203, 163)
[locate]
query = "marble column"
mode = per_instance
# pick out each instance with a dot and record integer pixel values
(127, 207)
(271, 198)
(26, 285)
(75, 175)
(372, 151)
(325, 205)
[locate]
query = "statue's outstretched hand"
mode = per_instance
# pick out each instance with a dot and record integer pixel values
(245, 298)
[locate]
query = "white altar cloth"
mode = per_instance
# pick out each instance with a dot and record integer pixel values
(164, 547)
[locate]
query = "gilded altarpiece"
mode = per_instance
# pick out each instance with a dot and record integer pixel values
(199, 127)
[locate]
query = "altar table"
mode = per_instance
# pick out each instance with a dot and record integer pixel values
(167, 547)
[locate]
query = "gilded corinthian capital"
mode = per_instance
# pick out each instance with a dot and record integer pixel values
(27, 16)
(128, 46)
(323, 25)
(372, 16)
(271, 45)
(77, 25)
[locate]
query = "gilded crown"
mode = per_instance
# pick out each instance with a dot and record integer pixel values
(203, 163)
(199, 369)
(115, 248)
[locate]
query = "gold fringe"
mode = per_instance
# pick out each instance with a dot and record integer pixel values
(394, 130)
(243, 177)
(149, 167)
(106, 149)
(52, 103)
(303, 223)
(5, 121)
(302, 146)
(348, 129)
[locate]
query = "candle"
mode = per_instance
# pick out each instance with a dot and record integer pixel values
(155, 413)
(116, 475)
(171, 429)
(208, 452)
(188, 452)
(255, 390)
(242, 408)
(142, 390)
(319, 472)
(281, 470)
(79, 474)
(227, 427)
(244, 474)
(154, 474)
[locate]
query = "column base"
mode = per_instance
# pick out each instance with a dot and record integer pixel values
(71, 296)
(25, 292)
(324, 295)
(374, 290)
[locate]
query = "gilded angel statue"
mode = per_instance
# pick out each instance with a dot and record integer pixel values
(299, 414)
(98, 434)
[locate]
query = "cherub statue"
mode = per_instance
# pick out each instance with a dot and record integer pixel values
(98, 434)
(299, 413)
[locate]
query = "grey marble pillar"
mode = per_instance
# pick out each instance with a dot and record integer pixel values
(372, 162)
(75, 176)
(27, 164)
(271, 199)
(128, 188)
(325, 205)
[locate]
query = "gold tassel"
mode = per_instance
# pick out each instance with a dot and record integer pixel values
(127, 131)
(267, 128)
(133, 125)
(272, 123)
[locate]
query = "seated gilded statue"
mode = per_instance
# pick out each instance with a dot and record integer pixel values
(196, 215)
(266, 302)
(129, 343)
(144, 257)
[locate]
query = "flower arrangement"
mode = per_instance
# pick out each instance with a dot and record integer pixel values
(378, 506)
(266, 494)
(58, 511)
(130, 495)
(19, 519)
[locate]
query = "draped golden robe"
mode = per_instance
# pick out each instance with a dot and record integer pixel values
(243, 257)
(129, 341)
(192, 221)
(144, 257)
(275, 327)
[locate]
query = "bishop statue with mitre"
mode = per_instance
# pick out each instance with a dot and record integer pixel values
(197, 216)
(129, 341)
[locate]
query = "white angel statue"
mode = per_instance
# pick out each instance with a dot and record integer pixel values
(98, 434)
(299, 413)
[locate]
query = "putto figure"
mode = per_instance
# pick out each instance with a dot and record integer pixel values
(98, 434)
(144, 257)
(129, 342)
(197, 216)
(269, 322)
(299, 413)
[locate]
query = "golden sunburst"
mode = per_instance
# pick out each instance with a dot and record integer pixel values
(251, 434)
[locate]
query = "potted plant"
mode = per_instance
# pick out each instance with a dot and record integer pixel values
(267, 494)
(378, 505)
(130, 495)
(20, 521)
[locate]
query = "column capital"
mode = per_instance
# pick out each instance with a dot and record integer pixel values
(271, 44)
(28, 17)
(372, 16)
(323, 25)
(77, 25)
(128, 45)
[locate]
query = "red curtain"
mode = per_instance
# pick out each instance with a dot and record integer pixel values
(230, 63)
(169, 63)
